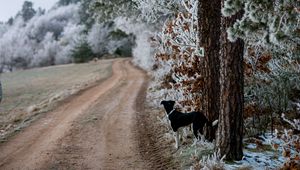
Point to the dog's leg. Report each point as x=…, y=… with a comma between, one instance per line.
x=177, y=139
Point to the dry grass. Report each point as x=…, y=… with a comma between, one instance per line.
x=30, y=92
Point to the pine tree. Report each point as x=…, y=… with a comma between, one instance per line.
x=209, y=21
x=270, y=24
x=230, y=129
x=82, y=52
x=27, y=11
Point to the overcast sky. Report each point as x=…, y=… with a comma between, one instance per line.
x=10, y=8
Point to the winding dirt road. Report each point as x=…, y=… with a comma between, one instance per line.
x=93, y=130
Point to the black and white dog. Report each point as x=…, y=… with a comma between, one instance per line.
x=179, y=119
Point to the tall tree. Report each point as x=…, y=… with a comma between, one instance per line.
x=230, y=129
x=10, y=21
x=86, y=14
x=27, y=10
x=209, y=21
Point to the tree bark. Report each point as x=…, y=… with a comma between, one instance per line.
x=209, y=13
x=230, y=129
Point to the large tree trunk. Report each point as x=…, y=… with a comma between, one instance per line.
x=230, y=129
x=209, y=13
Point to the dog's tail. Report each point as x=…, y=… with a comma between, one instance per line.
x=214, y=123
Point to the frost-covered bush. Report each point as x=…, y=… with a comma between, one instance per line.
x=130, y=17
x=107, y=38
x=98, y=37
x=288, y=144
x=273, y=82
x=45, y=55
x=143, y=50
x=210, y=162
x=16, y=48
x=71, y=35
x=270, y=30
x=178, y=59
x=82, y=52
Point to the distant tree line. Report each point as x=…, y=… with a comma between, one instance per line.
x=66, y=33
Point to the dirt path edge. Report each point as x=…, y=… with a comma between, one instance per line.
x=152, y=146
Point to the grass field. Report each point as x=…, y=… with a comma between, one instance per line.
x=30, y=92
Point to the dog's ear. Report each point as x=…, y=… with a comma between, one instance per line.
x=172, y=102
x=162, y=102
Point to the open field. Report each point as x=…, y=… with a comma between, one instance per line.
x=28, y=93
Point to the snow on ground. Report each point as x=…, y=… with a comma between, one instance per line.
x=260, y=155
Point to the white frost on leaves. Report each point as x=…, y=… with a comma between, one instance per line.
x=154, y=10
x=179, y=34
x=267, y=24
x=295, y=123
x=209, y=162
x=98, y=37
x=143, y=51
x=44, y=40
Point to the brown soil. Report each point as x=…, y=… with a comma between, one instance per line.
x=103, y=127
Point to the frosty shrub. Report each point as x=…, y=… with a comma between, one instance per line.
x=271, y=87
x=270, y=30
x=178, y=58
x=82, y=52
x=143, y=50
x=210, y=162
x=294, y=123
x=288, y=144
x=98, y=37
x=107, y=38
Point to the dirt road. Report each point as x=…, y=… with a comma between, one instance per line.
x=95, y=129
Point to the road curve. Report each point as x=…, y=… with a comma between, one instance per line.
x=92, y=130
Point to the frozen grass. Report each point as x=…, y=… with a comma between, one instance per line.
x=30, y=92
x=258, y=153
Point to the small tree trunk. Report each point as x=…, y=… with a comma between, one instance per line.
x=209, y=13
x=230, y=129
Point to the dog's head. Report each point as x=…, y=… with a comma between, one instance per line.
x=168, y=105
